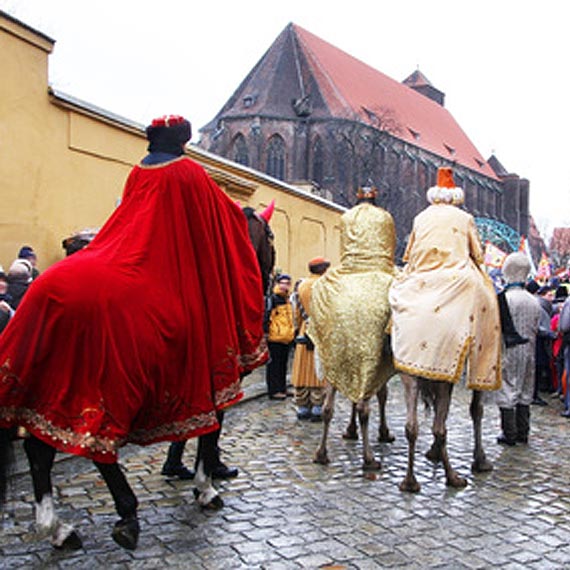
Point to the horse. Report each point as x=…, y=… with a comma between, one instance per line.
x=437, y=394
x=41, y=456
x=350, y=316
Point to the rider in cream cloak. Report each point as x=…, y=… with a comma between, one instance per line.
x=349, y=306
x=443, y=283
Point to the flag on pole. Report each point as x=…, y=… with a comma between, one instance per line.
x=494, y=256
x=544, y=270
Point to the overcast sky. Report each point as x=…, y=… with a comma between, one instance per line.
x=503, y=64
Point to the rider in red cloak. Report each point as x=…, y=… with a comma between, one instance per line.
x=143, y=335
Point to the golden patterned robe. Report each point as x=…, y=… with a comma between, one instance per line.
x=444, y=307
x=350, y=309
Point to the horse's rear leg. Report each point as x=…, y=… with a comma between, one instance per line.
x=40, y=457
x=351, y=431
x=321, y=455
x=126, y=530
x=6, y=462
x=384, y=435
x=480, y=463
x=443, y=391
x=207, y=459
x=370, y=463
x=411, y=388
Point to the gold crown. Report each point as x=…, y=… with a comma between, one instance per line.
x=367, y=192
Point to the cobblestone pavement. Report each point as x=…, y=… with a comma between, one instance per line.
x=284, y=512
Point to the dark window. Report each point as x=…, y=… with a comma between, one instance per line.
x=275, y=165
x=318, y=161
x=345, y=166
x=240, y=152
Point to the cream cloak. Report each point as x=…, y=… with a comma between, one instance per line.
x=444, y=307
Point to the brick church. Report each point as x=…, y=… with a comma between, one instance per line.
x=315, y=117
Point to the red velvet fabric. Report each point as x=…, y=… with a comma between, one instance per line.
x=141, y=336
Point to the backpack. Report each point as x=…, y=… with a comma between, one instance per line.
x=281, y=327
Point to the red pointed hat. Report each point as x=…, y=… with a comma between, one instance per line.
x=268, y=212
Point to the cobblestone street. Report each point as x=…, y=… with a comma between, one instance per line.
x=285, y=512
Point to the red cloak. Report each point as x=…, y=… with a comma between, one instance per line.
x=141, y=336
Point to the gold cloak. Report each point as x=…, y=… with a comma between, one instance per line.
x=350, y=309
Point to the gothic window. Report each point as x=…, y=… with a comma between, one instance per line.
x=318, y=161
x=275, y=165
x=240, y=152
x=345, y=166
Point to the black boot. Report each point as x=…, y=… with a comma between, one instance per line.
x=509, y=427
x=523, y=423
x=173, y=466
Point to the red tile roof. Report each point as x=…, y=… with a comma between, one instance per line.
x=351, y=87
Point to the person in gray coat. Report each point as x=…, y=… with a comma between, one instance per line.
x=518, y=366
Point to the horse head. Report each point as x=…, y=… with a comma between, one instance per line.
x=262, y=239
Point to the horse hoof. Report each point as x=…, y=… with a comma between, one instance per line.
x=410, y=486
x=72, y=542
x=126, y=532
x=214, y=504
x=385, y=437
x=350, y=434
x=481, y=466
x=456, y=481
x=372, y=465
x=321, y=458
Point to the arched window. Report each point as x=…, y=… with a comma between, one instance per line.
x=318, y=161
x=345, y=169
x=239, y=151
x=275, y=165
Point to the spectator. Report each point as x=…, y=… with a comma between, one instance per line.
x=564, y=327
x=308, y=389
x=543, y=381
x=6, y=309
x=26, y=252
x=280, y=331
x=19, y=279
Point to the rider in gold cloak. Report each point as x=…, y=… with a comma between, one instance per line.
x=349, y=308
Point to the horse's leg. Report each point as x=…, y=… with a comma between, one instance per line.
x=480, y=463
x=384, y=435
x=6, y=462
x=40, y=457
x=321, y=455
x=351, y=431
x=370, y=463
x=443, y=391
x=411, y=388
x=207, y=458
x=126, y=530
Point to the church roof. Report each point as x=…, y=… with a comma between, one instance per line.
x=302, y=67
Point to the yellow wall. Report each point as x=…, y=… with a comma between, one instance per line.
x=63, y=164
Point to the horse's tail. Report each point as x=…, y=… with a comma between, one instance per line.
x=427, y=395
x=6, y=461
